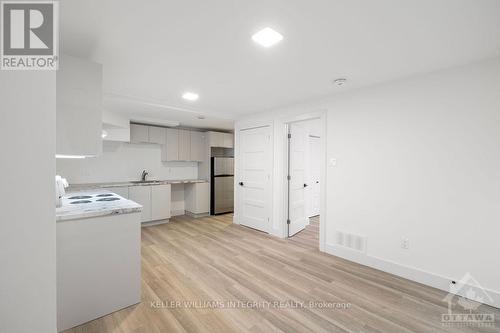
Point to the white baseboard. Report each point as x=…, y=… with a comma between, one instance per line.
x=150, y=223
x=410, y=273
x=177, y=212
x=197, y=215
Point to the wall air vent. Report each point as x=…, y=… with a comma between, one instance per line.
x=350, y=241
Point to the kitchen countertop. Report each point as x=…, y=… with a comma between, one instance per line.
x=70, y=211
x=132, y=183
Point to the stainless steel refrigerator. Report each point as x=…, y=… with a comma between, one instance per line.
x=222, y=185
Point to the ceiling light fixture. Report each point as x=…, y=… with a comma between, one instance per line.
x=267, y=37
x=70, y=156
x=190, y=96
x=340, y=82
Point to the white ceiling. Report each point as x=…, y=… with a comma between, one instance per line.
x=154, y=50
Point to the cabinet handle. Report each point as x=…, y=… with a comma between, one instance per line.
x=305, y=185
x=241, y=183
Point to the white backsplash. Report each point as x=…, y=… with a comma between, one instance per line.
x=124, y=162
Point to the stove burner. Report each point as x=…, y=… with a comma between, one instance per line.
x=108, y=199
x=79, y=197
x=104, y=195
x=80, y=202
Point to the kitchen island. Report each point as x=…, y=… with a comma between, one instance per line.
x=98, y=256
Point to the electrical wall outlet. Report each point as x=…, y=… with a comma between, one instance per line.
x=405, y=243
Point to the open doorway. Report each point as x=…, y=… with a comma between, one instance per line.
x=303, y=180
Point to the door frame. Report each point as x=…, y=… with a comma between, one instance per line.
x=309, y=168
x=322, y=115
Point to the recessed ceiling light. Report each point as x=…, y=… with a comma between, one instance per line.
x=267, y=37
x=190, y=96
x=70, y=156
x=340, y=82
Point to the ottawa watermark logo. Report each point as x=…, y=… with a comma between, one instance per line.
x=464, y=299
x=29, y=35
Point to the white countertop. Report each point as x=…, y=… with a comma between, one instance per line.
x=90, y=186
x=72, y=211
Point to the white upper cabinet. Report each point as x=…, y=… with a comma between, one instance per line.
x=184, y=145
x=219, y=139
x=139, y=133
x=170, y=151
x=198, y=147
x=157, y=135
x=228, y=141
x=215, y=139
x=147, y=134
x=79, y=107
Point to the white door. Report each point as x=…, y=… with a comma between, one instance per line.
x=314, y=172
x=254, y=178
x=297, y=159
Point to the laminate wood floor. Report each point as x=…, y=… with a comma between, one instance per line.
x=204, y=264
x=309, y=237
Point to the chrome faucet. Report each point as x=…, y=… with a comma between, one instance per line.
x=144, y=175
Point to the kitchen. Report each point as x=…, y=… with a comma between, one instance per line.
x=117, y=172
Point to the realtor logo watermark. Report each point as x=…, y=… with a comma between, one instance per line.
x=30, y=35
x=468, y=295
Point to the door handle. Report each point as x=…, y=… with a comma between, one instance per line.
x=305, y=185
x=241, y=183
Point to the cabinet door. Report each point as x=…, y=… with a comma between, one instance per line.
x=197, y=146
x=197, y=198
x=216, y=139
x=160, y=202
x=157, y=135
x=202, y=198
x=228, y=140
x=139, y=133
x=170, y=151
x=184, y=145
x=121, y=191
x=142, y=195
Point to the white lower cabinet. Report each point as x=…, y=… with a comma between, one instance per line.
x=160, y=202
x=142, y=195
x=197, y=198
x=155, y=201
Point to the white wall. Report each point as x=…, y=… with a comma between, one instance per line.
x=417, y=158
x=27, y=226
x=124, y=162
